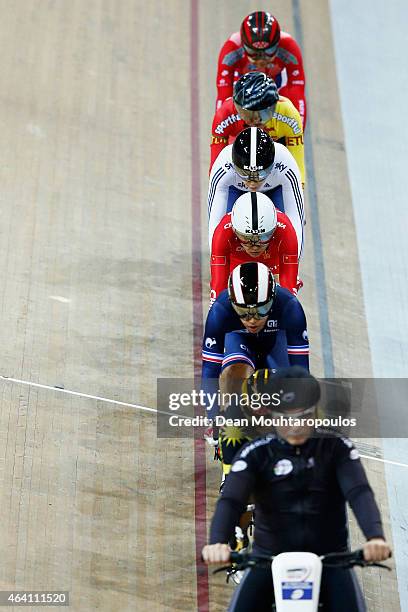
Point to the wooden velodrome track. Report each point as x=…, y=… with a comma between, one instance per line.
x=105, y=113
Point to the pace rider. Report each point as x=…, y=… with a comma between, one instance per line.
x=300, y=479
x=261, y=45
x=254, y=231
x=256, y=103
x=255, y=163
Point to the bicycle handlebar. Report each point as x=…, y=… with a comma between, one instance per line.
x=340, y=559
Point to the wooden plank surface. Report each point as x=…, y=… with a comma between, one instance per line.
x=97, y=290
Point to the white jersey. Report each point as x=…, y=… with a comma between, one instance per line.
x=285, y=173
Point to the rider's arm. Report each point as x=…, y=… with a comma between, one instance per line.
x=238, y=486
x=229, y=56
x=292, y=131
x=220, y=180
x=295, y=86
x=292, y=191
x=213, y=353
x=288, y=255
x=219, y=132
x=220, y=259
x=296, y=334
x=356, y=489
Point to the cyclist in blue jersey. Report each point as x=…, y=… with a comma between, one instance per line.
x=254, y=323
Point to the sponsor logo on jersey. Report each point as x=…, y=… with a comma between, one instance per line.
x=218, y=140
x=255, y=231
x=244, y=348
x=272, y=323
x=304, y=335
x=281, y=225
x=290, y=121
x=225, y=72
x=295, y=72
x=254, y=168
x=209, y=342
x=260, y=44
x=218, y=260
x=293, y=141
x=283, y=467
x=279, y=166
x=354, y=454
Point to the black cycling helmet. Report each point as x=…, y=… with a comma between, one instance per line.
x=251, y=290
x=253, y=154
x=294, y=386
x=260, y=34
x=255, y=91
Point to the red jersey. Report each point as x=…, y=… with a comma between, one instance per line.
x=227, y=252
x=286, y=68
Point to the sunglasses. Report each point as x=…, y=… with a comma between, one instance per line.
x=295, y=414
x=270, y=52
x=264, y=115
x=256, y=239
x=253, y=312
x=255, y=176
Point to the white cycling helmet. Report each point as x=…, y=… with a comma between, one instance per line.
x=254, y=217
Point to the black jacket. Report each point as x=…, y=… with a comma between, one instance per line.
x=300, y=495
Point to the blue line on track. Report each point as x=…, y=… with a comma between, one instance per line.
x=314, y=219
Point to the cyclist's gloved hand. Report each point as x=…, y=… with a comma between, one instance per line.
x=216, y=553
x=376, y=550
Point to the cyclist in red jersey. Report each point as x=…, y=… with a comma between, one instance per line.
x=254, y=231
x=261, y=46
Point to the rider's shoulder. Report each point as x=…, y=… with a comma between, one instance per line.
x=222, y=304
x=289, y=45
x=254, y=447
x=286, y=108
x=282, y=154
x=232, y=51
x=223, y=161
x=286, y=105
x=283, y=295
x=337, y=441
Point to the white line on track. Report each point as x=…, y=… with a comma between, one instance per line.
x=29, y=383
x=78, y=394
x=384, y=461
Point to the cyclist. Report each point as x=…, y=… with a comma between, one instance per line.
x=255, y=163
x=256, y=103
x=255, y=231
x=261, y=45
x=253, y=323
x=301, y=479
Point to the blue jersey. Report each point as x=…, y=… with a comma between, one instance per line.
x=226, y=341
